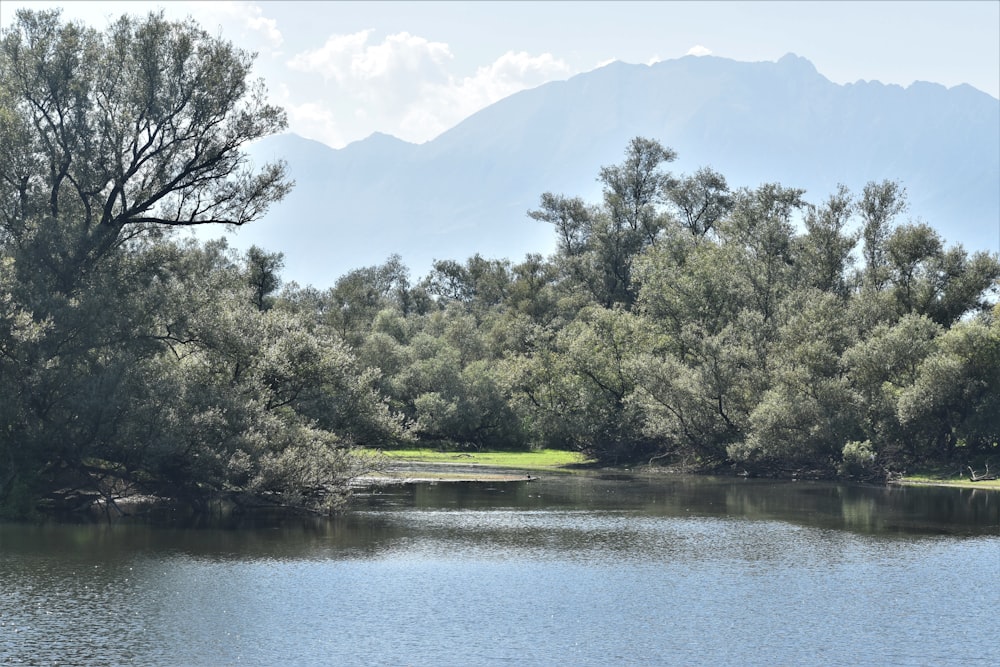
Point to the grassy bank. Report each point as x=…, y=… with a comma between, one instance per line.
x=936, y=480
x=544, y=459
x=947, y=476
x=555, y=459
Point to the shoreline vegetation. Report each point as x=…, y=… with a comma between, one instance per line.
x=679, y=321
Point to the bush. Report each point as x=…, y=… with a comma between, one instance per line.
x=858, y=460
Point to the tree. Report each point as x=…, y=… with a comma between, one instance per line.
x=953, y=405
x=598, y=245
x=880, y=204
x=701, y=200
x=571, y=220
x=634, y=189
x=531, y=290
x=682, y=289
x=632, y=219
x=351, y=305
x=595, y=381
x=926, y=278
x=760, y=226
x=263, y=275
x=110, y=141
x=880, y=367
x=824, y=252
x=808, y=412
x=109, y=135
x=480, y=284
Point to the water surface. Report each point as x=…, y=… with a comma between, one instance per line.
x=562, y=571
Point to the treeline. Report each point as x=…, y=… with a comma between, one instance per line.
x=679, y=321
x=684, y=322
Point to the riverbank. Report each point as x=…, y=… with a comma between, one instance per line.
x=429, y=465
x=956, y=482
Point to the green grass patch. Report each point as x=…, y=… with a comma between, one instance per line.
x=948, y=476
x=963, y=482
x=543, y=459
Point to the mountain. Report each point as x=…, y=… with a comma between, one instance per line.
x=468, y=190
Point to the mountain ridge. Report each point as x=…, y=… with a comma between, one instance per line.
x=468, y=189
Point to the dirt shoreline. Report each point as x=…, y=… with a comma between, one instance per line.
x=413, y=472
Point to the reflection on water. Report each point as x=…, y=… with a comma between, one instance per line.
x=569, y=570
x=859, y=508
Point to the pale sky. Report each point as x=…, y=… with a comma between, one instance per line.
x=343, y=70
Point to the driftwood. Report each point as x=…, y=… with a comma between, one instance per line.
x=976, y=477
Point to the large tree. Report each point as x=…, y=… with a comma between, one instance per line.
x=123, y=357
x=106, y=135
x=599, y=244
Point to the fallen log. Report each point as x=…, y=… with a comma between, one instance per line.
x=986, y=476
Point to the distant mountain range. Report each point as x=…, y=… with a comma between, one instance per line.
x=468, y=190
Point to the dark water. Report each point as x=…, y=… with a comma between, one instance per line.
x=562, y=571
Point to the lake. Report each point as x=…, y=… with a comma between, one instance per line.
x=565, y=570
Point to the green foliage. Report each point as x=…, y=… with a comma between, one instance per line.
x=809, y=410
x=760, y=344
x=824, y=252
x=263, y=275
x=678, y=320
x=879, y=206
x=599, y=245
x=578, y=393
x=954, y=400
x=859, y=460
x=130, y=363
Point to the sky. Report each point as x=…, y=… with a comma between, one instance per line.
x=343, y=70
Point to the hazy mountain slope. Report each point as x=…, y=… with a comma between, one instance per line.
x=468, y=190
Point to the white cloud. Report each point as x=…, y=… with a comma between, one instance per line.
x=445, y=104
x=405, y=84
x=698, y=50
x=510, y=73
x=402, y=52
x=315, y=120
x=311, y=119
x=255, y=20
x=333, y=59
x=351, y=60
x=248, y=16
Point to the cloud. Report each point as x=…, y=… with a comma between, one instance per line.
x=351, y=60
x=406, y=85
x=698, y=50
x=314, y=119
x=510, y=73
x=402, y=52
x=256, y=21
x=249, y=18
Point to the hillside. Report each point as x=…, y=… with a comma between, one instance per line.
x=467, y=191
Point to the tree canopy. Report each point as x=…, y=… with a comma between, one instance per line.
x=132, y=362
x=680, y=320
x=685, y=322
